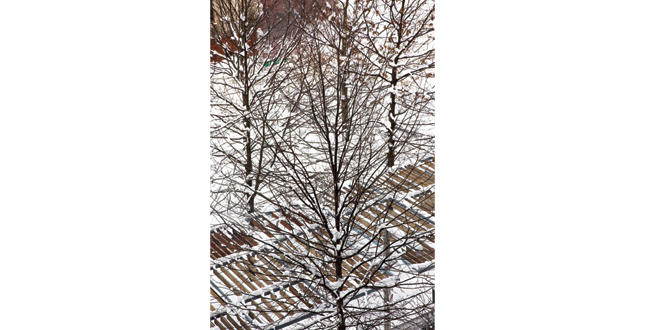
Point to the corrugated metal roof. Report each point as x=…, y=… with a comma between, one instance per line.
x=240, y=273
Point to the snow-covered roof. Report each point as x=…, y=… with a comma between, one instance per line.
x=243, y=271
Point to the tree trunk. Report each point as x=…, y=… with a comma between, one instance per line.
x=386, y=243
x=343, y=85
x=391, y=117
x=341, y=315
x=248, y=166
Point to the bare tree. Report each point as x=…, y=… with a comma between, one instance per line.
x=249, y=47
x=398, y=41
x=345, y=225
